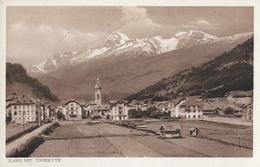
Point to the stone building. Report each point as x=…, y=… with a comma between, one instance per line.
x=73, y=110
x=248, y=113
x=240, y=97
x=21, y=109
x=186, y=108
x=139, y=106
x=119, y=110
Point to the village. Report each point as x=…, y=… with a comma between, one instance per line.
x=237, y=105
x=227, y=122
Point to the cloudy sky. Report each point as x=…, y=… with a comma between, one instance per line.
x=36, y=33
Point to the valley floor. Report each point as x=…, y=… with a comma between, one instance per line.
x=77, y=139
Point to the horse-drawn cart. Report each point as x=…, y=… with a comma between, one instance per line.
x=170, y=133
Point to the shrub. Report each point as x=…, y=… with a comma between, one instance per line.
x=60, y=116
x=229, y=111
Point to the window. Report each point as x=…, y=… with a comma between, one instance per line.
x=15, y=113
x=194, y=116
x=15, y=107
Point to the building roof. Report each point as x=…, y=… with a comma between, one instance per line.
x=177, y=100
x=120, y=102
x=20, y=100
x=99, y=107
x=221, y=103
x=192, y=101
x=72, y=100
x=135, y=102
x=238, y=93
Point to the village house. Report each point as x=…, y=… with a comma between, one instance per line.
x=187, y=108
x=119, y=110
x=220, y=106
x=21, y=109
x=93, y=110
x=73, y=110
x=136, y=105
x=175, y=110
x=248, y=112
x=240, y=97
x=45, y=111
x=85, y=113
x=163, y=106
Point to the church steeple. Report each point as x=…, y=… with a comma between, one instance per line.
x=98, y=92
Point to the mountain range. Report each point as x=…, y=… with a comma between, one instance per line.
x=119, y=44
x=126, y=65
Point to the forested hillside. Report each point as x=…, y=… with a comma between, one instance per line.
x=232, y=70
x=17, y=80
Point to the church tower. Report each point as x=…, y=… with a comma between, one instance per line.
x=98, y=92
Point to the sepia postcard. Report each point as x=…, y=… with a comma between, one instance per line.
x=132, y=84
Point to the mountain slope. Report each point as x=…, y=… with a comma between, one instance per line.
x=232, y=70
x=19, y=82
x=123, y=73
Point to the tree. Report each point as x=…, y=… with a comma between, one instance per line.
x=229, y=111
x=156, y=114
x=60, y=116
x=133, y=113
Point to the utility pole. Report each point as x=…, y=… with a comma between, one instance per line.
x=23, y=118
x=239, y=141
x=38, y=109
x=181, y=122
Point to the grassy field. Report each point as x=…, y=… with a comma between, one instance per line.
x=100, y=129
x=233, y=134
x=108, y=140
x=12, y=129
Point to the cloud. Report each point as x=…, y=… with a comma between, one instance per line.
x=199, y=23
x=135, y=20
x=38, y=42
x=203, y=22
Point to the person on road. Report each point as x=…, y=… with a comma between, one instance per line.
x=162, y=130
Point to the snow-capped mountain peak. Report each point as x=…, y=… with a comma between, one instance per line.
x=195, y=34
x=117, y=38
x=119, y=44
x=166, y=45
x=180, y=33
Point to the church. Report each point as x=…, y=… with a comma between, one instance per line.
x=97, y=109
